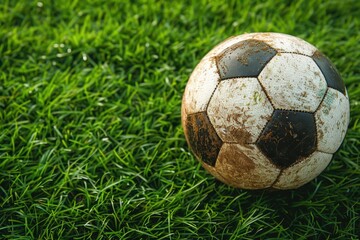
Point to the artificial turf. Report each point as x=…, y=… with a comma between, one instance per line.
x=91, y=144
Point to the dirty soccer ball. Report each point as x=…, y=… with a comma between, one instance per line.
x=265, y=110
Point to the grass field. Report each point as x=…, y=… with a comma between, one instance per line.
x=91, y=144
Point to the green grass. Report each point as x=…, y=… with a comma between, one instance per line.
x=91, y=145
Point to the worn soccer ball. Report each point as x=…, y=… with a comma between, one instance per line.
x=265, y=110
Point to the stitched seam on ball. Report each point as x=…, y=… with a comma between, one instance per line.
x=317, y=150
x=302, y=54
x=294, y=110
x=277, y=178
x=231, y=78
x=190, y=114
x=322, y=100
x=263, y=129
x=262, y=86
x=316, y=134
x=232, y=142
x=212, y=94
x=207, y=117
x=316, y=127
x=218, y=152
x=266, y=94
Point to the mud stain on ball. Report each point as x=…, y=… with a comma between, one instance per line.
x=202, y=138
x=237, y=161
x=238, y=132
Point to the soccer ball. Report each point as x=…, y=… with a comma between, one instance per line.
x=265, y=110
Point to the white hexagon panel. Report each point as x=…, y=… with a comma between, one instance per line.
x=332, y=119
x=293, y=82
x=201, y=85
x=303, y=171
x=239, y=110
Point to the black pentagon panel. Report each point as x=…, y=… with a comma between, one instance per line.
x=246, y=59
x=329, y=71
x=202, y=137
x=288, y=137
